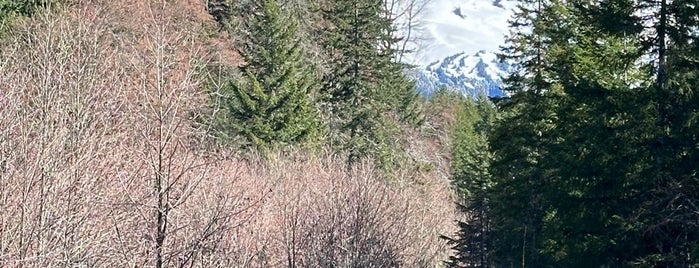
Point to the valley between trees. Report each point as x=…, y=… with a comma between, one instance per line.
x=286, y=134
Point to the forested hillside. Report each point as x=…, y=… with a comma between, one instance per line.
x=151, y=134
x=269, y=133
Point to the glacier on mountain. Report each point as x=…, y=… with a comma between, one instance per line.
x=472, y=75
x=461, y=37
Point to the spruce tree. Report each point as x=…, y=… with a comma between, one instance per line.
x=471, y=177
x=600, y=155
x=669, y=212
x=574, y=168
x=521, y=140
x=664, y=218
x=272, y=106
x=364, y=88
x=592, y=156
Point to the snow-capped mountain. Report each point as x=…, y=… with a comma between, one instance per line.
x=462, y=37
x=472, y=75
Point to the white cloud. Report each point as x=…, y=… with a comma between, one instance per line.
x=482, y=27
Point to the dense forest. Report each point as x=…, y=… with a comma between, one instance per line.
x=288, y=133
x=592, y=161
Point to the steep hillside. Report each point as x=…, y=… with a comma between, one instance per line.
x=105, y=162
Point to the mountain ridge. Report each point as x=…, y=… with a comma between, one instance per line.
x=469, y=74
x=464, y=36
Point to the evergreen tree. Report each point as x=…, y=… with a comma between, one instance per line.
x=220, y=10
x=664, y=217
x=521, y=140
x=365, y=89
x=471, y=176
x=592, y=156
x=669, y=213
x=598, y=161
x=575, y=166
x=23, y=7
x=273, y=105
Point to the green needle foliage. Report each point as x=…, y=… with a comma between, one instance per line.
x=273, y=105
x=365, y=92
x=11, y=9
x=594, y=159
x=471, y=176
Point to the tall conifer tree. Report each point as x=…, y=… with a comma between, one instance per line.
x=364, y=87
x=665, y=217
x=521, y=141
x=471, y=175
x=592, y=158
x=273, y=105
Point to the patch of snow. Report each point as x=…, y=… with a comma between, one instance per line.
x=471, y=74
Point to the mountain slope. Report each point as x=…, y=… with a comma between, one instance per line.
x=462, y=37
x=472, y=75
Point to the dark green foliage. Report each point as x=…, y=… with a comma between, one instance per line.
x=272, y=106
x=471, y=176
x=520, y=143
x=596, y=164
x=663, y=217
x=522, y=139
x=365, y=92
x=9, y=9
x=594, y=160
x=22, y=7
x=220, y=10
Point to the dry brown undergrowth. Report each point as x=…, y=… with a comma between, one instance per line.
x=102, y=164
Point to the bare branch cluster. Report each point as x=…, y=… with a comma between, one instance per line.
x=102, y=163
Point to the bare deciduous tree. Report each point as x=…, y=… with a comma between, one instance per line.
x=407, y=17
x=103, y=165
x=168, y=172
